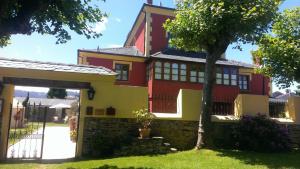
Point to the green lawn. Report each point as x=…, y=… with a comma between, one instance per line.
x=204, y=159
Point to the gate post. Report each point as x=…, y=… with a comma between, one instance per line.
x=7, y=95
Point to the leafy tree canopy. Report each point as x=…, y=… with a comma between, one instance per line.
x=51, y=17
x=279, y=51
x=206, y=24
x=57, y=93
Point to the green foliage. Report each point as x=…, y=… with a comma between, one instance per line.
x=260, y=134
x=279, y=51
x=144, y=117
x=57, y=93
x=201, y=24
x=48, y=17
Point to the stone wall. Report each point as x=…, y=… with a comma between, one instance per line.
x=294, y=131
x=105, y=136
x=180, y=134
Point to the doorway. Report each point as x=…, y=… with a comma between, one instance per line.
x=42, y=127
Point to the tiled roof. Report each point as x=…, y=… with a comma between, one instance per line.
x=128, y=51
x=196, y=57
x=57, y=67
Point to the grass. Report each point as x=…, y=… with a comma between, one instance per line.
x=204, y=159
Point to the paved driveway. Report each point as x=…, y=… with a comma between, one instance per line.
x=57, y=145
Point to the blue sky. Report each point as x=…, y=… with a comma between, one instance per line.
x=114, y=29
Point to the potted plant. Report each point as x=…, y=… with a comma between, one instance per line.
x=144, y=117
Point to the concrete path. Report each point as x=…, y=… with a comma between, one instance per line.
x=57, y=145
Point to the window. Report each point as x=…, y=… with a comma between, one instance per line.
x=158, y=68
x=148, y=72
x=174, y=71
x=167, y=71
x=193, y=73
x=201, y=74
x=233, y=76
x=243, y=82
x=226, y=76
x=219, y=76
x=183, y=72
x=123, y=71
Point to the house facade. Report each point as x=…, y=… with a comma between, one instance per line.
x=147, y=60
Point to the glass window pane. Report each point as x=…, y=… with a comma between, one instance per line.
x=157, y=70
x=193, y=73
x=219, y=81
x=193, y=79
x=175, y=66
x=167, y=70
x=157, y=64
x=157, y=76
x=233, y=71
x=174, y=77
x=183, y=78
x=219, y=70
x=175, y=71
x=233, y=82
x=245, y=86
x=226, y=76
x=183, y=72
x=201, y=74
x=183, y=66
x=226, y=82
x=219, y=75
x=233, y=77
x=201, y=80
x=167, y=65
x=167, y=76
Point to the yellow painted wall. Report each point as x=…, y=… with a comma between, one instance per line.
x=191, y=104
x=7, y=95
x=124, y=99
x=293, y=107
x=248, y=104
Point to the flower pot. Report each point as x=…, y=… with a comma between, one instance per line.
x=144, y=133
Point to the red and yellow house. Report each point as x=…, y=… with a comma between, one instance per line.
x=147, y=60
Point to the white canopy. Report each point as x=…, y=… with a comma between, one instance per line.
x=60, y=106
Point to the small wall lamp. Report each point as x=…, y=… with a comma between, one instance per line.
x=91, y=93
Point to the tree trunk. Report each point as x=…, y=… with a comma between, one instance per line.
x=207, y=99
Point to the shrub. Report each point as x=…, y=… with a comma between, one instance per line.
x=261, y=134
x=144, y=117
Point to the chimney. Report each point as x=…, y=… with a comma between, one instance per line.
x=150, y=2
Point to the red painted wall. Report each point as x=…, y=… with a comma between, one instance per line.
x=137, y=76
x=256, y=84
x=139, y=38
x=158, y=34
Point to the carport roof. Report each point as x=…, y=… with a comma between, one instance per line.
x=57, y=67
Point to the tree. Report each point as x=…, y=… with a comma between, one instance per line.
x=57, y=93
x=279, y=51
x=51, y=17
x=211, y=25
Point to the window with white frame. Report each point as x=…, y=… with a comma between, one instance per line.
x=183, y=72
x=244, y=82
x=158, y=70
x=175, y=71
x=201, y=74
x=167, y=71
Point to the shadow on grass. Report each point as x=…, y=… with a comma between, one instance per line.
x=115, y=167
x=271, y=160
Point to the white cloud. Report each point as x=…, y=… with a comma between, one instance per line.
x=101, y=26
x=118, y=20
x=114, y=45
